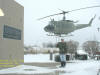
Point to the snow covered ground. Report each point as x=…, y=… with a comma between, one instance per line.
x=37, y=58
x=78, y=67
x=89, y=67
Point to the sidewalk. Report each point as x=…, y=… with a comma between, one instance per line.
x=45, y=64
x=35, y=68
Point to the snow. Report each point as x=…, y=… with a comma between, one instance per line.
x=89, y=67
x=24, y=69
x=77, y=67
x=37, y=58
x=81, y=52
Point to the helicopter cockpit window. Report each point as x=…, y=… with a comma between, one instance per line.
x=51, y=23
x=51, y=27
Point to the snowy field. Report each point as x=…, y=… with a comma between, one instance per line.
x=78, y=67
x=37, y=58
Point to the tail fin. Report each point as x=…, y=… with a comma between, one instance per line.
x=92, y=20
x=80, y=26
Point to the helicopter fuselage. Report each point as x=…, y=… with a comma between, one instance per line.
x=60, y=27
x=65, y=26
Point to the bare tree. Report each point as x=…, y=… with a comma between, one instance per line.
x=48, y=45
x=72, y=47
x=91, y=47
x=44, y=45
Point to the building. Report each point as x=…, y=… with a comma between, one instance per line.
x=97, y=55
x=11, y=33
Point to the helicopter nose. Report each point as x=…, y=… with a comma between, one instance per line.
x=46, y=28
x=49, y=28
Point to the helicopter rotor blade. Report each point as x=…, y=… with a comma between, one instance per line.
x=50, y=15
x=64, y=12
x=83, y=8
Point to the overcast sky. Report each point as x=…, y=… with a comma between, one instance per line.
x=34, y=9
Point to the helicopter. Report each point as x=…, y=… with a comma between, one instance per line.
x=64, y=27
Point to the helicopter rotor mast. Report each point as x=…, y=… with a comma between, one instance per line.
x=65, y=12
x=64, y=17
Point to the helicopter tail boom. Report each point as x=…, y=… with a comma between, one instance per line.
x=92, y=20
x=80, y=26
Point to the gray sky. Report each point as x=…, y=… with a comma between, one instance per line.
x=34, y=9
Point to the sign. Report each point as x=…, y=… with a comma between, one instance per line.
x=11, y=33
